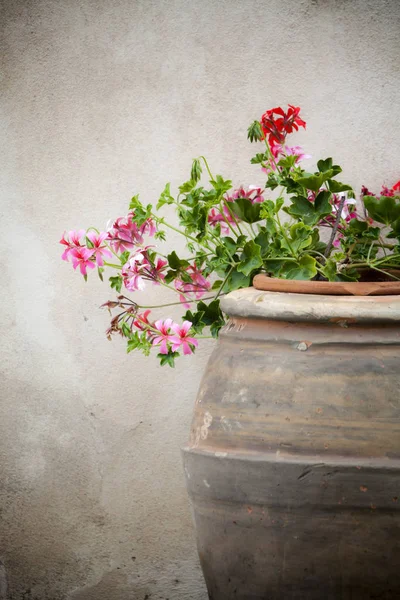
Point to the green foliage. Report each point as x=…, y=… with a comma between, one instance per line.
x=314, y=182
x=124, y=257
x=245, y=210
x=137, y=341
x=259, y=159
x=326, y=166
x=336, y=187
x=304, y=268
x=308, y=212
x=116, y=282
x=221, y=185
x=250, y=259
x=385, y=209
x=141, y=212
x=254, y=132
x=168, y=359
x=165, y=197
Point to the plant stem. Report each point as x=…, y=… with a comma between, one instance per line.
x=175, y=303
x=169, y=287
x=106, y=264
x=226, y=220
x=385, y=272
x=283, y=232
x=208, y=168
x=224, y=282
x=232, y=215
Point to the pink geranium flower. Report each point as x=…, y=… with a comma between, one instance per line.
x=100, y=249
x=125, y=234
x=182, y=339
x=296, y=151
x=163, y=334
x=156, y=271
x=132, y=272
x=253, y=194
x=74, y=241
x=215, y=216
x=81, y=256
x=198, y=285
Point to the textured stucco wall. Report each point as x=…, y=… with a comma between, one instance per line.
x=100, y=100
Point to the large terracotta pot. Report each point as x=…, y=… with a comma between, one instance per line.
x=293, y=464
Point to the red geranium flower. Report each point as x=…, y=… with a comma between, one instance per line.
x=276, y=123
x=396, y=186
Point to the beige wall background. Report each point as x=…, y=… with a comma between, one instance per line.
x=100, y=100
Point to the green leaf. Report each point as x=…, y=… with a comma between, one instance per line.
x=141, y=212
x=327, y=165
x=175, y=262
x=236, y=281
x=329, y=270
x=134, y=342
x=336, y=187
x=211, y=316
x=262, y=240
x=314, y=182
x=100, y=271
x=258, y=159
x=303, y=209
x=221, y=185
x=229, y=244
x=245, y=210
x=135, y=203
x=168, y=359
x=165, y=197
x=116, y=282
x=384, y=209
x=211, y=312
x=278, y=204
x=160, y=235
x=322, y=205
x=303, y=269
x=126, y=330
x=254, y=132
x=195, y=173
x=187, y=186
x=196, y=320
x=363, y=230
x=300, y=237
x=250, y=258
x=124, y=257
x=310, y=212
x=288, y=161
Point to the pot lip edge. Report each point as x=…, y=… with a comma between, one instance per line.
x=334, y=285
x=276, y=305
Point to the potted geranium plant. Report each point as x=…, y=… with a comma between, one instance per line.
x=298, y=384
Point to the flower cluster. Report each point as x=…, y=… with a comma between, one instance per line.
x=276, y=124
x=232, y=234
x=85, y=249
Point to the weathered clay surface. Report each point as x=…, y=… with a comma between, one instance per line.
x=293, y=465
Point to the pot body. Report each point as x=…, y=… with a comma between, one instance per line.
x=293, y=464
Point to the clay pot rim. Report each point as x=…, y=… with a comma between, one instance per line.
x=297, y=307
x=327, y=288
